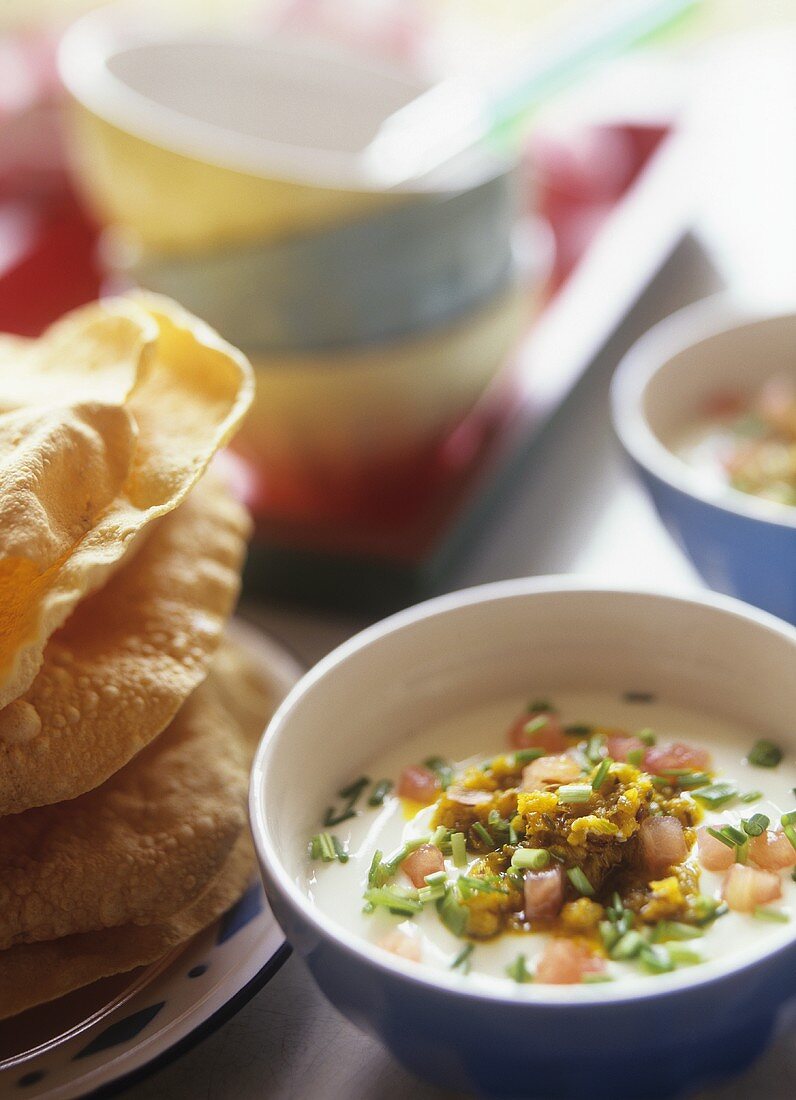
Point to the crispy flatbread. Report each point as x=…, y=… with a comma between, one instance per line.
x=143, y=845
x=116, y=674
x=32, y=974
x=184, y=391
x=229, y=721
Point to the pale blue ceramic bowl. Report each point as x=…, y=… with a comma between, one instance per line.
x=742, y=545
x=408, y=269
x=605, y=1042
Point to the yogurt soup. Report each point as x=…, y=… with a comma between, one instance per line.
x=577, y=838
x=749, y=445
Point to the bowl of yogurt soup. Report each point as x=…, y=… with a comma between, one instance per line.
x=540, y=838
x=705, y=405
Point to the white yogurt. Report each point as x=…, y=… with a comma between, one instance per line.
x=338, y=888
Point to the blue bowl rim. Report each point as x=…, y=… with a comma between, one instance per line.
x=422, y=978
x=682, y=330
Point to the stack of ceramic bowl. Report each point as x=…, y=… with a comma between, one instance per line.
x=376, y=320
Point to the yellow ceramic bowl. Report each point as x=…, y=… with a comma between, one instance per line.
x=326, y=425
x=188, y=140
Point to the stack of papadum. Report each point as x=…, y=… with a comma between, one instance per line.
x=127, y=720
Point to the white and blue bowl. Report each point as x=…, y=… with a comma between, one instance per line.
x=555, y=1042
x=741, y=544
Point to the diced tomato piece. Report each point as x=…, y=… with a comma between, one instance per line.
x=565, y=962
x=713, y=855
x=397, y=942
x=550, y=770
x=544, y=893
x=746, y=887
x=620, y=745
x=550, y=736
x=724, y=405
x=425, y=860
x=772, y=851
x=418, y=783
x=675, y=755
x=468, y=796
x=777, y=404
x=662, y=843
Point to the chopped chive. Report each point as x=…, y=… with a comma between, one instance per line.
x=764, y=754
x=442, y=769
x=439, y=836
x=766, y=913
x=435, y=887
x=574, y=792
x=527, y=756
x=656, y=958
x=787, y=821
x=392, y=864
x=683, y=956
x=717, y=794
x=601, y=774
x=482, y=833
x=452, y=914
x=738, y=837
x=533, y=858
x=497, y=823
x=635, y=757
x=395, y=898
x=720, y=836
x=335, y=817
x=431, y=893
x=540, y=704
x=458, y=850
x=322, y=847
x=471, y=883
x=355, y=789
x=628, y=946
x=756, y=825
x=595, y=748
x=750, y=796
x=462, y=960
x=707, y=909
x=609, y=934
x=340, y=851
x=380, y=792
x=666, y=930
x=535, y=725
x=578, y=730
x=647, y=736
x=377, y=875
x=518, y=970
x=580, y=882
x=512, y=834
x=693, y=779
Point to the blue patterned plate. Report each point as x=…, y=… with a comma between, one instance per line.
x=111, y=1033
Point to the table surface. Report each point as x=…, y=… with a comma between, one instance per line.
x=576, y=509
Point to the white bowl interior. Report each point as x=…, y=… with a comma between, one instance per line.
x=429, y=663
x=739, y=359
x=287, y=97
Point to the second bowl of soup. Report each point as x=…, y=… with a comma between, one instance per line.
x=705, y=406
